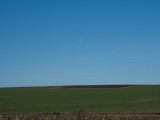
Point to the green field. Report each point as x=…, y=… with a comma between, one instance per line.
x=44, y=99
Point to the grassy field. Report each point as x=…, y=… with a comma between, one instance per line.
x=50, y=99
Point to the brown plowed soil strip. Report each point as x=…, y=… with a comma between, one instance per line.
x=100, y=86
x=55, y=87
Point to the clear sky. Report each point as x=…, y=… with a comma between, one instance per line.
x=73, y=42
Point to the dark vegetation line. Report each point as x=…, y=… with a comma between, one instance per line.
x=77, y=86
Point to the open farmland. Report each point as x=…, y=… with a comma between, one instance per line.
x=64, y=99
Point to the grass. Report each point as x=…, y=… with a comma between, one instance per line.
x=43, y=99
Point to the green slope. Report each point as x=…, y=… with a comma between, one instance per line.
x=43, y=99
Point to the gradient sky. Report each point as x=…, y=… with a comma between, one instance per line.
x=73, y=42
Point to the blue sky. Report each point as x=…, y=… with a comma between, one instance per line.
x=73, y=42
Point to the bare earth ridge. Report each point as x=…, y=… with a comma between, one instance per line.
x=96, y=86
